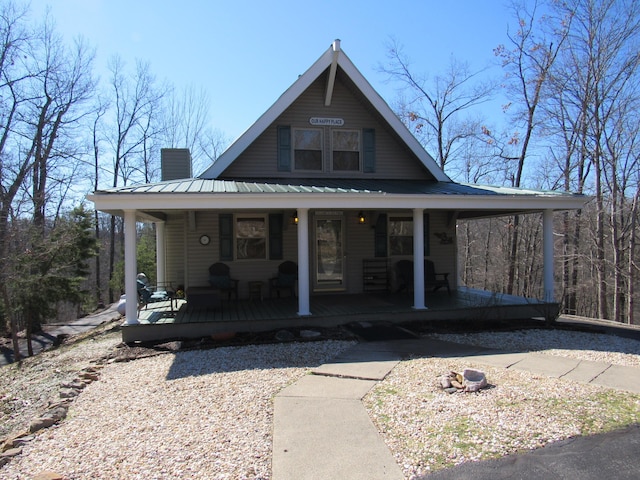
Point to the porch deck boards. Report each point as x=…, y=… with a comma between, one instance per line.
x=323, y=306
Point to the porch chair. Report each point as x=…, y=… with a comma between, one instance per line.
x=144, y=293
x=404, y=272
x=433, y=279
x=285, y=279
x=149, y=294
x=220, y=278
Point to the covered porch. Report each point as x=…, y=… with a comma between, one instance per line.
x=167, y=320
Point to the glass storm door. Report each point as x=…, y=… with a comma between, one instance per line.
x=329, y=253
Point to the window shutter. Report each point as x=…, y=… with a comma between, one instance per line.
x=369, y=150
x=275, y=236
x=427, y=248
x=284, y=148
x=381, y=236
x=225, y=222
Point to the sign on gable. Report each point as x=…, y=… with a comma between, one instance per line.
x=328, y=122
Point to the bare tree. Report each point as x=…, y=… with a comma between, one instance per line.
x=534, y=49
x=185, y=125
x=434, y=109
x=43, y=86
x=596, y=97
x=135, y=103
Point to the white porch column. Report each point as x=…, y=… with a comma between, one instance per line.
x=303, y=262
x=547, y=249
x=130, y=267
x=161, y=256
x=418, y=259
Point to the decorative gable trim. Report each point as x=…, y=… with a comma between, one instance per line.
x=333, y=58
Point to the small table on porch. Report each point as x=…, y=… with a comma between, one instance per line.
x=255, y=290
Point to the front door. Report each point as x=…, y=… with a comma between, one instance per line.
x=329, y=262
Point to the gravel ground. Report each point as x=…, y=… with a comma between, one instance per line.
x=194, y=414
x=208, y=413
x=428, y=429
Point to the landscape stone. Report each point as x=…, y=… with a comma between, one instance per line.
x=40, y=423
x=48, y=475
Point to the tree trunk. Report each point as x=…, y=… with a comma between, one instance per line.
x=631, y=269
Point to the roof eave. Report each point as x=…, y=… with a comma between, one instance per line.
x=374, y=200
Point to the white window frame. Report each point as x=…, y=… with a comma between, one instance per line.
x=404, y=218
x=293, y=149
x=240, y=216
x=346, y=130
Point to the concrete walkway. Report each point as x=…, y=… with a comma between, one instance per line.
x=321, y=428
x=52, y=332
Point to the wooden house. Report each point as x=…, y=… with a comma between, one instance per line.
x=327, y=178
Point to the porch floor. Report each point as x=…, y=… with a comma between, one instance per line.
x=162, y=320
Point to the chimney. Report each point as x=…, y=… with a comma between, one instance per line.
x=175, y=163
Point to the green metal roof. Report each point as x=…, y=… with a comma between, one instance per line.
x=323, y=186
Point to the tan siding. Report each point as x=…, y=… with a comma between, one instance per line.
x=443, y=256
x=200, y=257
x=393, y=159
x=359, y=244
x=174, y=243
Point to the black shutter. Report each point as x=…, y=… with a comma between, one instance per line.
x=284, y=148
x=369, y=150
x=427, y=248
x=275, y=236
x=381, y=236
x=225, y=222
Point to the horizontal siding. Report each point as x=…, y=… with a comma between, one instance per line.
x=174, y=243
x=188, y=261
x=393, y=159
x=200, y=257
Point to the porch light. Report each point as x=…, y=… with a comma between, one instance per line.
x=294, y=218
x=361, y=218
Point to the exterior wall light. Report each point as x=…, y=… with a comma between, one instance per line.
x=361, y=218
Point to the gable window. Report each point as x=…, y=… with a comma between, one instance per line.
x=345, y=146
x=307, y=149
x=251, y=237
x=401, y=235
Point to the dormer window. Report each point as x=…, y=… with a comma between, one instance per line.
x=307, y=149
x=326, y=149
x=345, y=146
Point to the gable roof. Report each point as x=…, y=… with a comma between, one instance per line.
x=334, y=57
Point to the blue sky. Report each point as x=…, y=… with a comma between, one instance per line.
x=246, y=53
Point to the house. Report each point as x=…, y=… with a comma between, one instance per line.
x=328, y=178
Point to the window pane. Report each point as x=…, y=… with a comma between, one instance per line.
x=346, y=161
x=401, y=226
x=307, y=145
x=308, y=160
x=346, y=150
x=401, y=245
x=250, y=227
x=308, y=140
x=345, y=140
x=251, y=238
x=401, y=236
